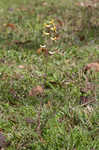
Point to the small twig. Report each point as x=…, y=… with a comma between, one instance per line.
x=88, y=103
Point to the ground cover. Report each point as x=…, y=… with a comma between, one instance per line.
x=49, y=76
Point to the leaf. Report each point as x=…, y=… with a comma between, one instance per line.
x=39, y=51
x=84, y=99
x=92, y=66
x=48, y=104
x=42, y=49
x=51, y=53
x=12, y=26
x=89, y=4
x=38, y=90
x=60, y=22
x=13, y=92
x=44, y=3
x=82, y=38
x=21, y=66
x=20, y=43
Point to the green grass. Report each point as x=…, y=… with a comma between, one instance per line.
x=56, y=119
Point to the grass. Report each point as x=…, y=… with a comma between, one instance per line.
x=57, y=119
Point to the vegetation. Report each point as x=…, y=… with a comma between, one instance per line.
x=49, y=75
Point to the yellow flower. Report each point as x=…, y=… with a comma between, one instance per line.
x=53, y=38
x=42, y=46
x=53, y=28
x=51, y=22
x=46, y=25
x=46, y=33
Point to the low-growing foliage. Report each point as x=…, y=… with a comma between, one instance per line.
x=49, y=75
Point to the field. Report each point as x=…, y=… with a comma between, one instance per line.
x=49, y=75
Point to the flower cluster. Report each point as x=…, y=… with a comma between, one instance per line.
x=50, y=30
